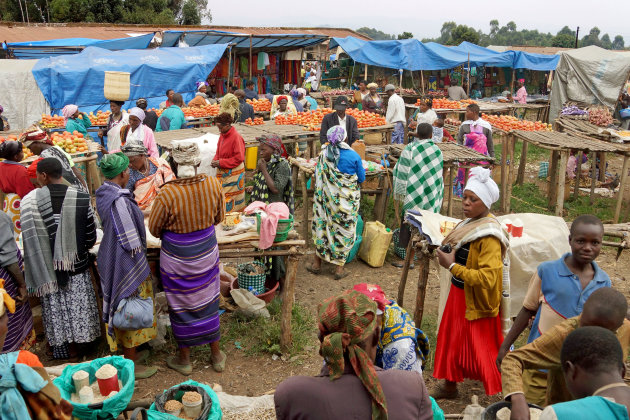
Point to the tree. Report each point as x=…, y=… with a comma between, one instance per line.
x=69, y=10
x=445, y=33
x=511, y=26
x=494, y=27
x=566, y=31
x=618, y=43
x=190, y=14
x=563, y=41
x=606, y=42
x=375, y=33
x=463, y=33
x=405, y=35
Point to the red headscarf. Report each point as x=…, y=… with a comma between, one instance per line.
x=374, y=292
x=281, y=98
x=32, y=168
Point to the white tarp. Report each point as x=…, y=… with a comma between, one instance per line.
x=591, y=74
x=20, y=96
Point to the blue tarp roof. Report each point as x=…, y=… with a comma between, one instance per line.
x=79, y=79
x=64, y=46
x=266, y=42
x=411, y=54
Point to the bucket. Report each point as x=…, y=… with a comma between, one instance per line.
x=251, y=158
x=80, y=378
x=117, y=85
x=376, y=240
x=107, y=383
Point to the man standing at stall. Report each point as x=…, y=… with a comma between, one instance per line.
x=339, y=117
x=395, y=114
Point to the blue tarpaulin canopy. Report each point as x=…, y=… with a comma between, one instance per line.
x=272, y=42
x=541, y=62
x=476, y=56
x=64, y=46
x=79, y=79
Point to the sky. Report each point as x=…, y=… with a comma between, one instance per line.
x=397, y=16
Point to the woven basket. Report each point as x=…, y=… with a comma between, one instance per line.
x=255, y=281
x=117, y=85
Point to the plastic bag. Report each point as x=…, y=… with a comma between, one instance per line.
x=134, y=313
x=248, y=304
x=211, y=411
x=111, y=407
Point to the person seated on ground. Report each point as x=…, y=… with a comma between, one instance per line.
x=247, y=110
x=146, y=175
x=592, y=362
x=150, y=117
x=336, y=203
x=456, y=93
x=439, y=133
x=340, y=117
x=137, y=133
x=475, y=124
x=606, y=308
x=250, y=93
x=200, y=99
x=476, y=92
x=349, y=385
x=280, y=106
x=417, y=177
x=557, y=291
x=173, y=117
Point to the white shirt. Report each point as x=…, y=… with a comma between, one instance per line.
x=342, y=122
x=395, y=110
x=426, y=117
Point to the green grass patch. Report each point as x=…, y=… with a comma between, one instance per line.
x=535, y=154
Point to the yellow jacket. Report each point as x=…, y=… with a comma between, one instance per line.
x=483, y=278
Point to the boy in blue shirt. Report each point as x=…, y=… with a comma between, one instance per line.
x=557, y=291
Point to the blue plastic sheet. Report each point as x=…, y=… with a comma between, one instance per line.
x=79, y=79
x=541, y=62
x=267, y=42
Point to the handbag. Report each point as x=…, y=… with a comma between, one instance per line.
x=133, y=313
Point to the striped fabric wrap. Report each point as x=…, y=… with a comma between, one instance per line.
x=189, y=265
x=233, y=182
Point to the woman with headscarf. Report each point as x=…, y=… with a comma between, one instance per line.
x=122, y=259
x=349, y=385
x=20, y=335
x=183, y=217
x=230, y=163
x=336, y=202
x=117, y=120
x=76, y=121
x=39, y=143
x=470, y=334
x=58, y=230
x=295, y=99
x=200, y=99
x=281, y=106
x=138, y=133
x=373, y=102
x=424, y=114
x=306, y=105
x=4, y=122
x=14, y=181
x=146, y=175
x=150, y=116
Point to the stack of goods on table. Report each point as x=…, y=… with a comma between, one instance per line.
x=313, y=119
x=260, y=105
x=70, y=142
x=439, y=103
x=508, y=123
x=403, y=91
x=255, y=121
x=200, y=112
x=58, y=121
x=440, y=93
x=599, y=116
x=337, y=92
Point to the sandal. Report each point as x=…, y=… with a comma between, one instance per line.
x=142, y=356
x=442, y=394
x=144, y=372
x=183, y=369
x=341, y=276
x=220, y=366
x=401, y=264
x=312, y=270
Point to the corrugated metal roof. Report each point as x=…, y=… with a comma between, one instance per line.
x=19, y=32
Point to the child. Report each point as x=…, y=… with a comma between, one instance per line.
x=557, y=291
x=439, y=133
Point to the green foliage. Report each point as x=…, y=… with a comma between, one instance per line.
x=563, y=41
x=375, y=34
x=618, y=43
x=405, y=35
x=463, y=33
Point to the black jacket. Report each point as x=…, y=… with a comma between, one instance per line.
x=247, y=111
x=331, y=120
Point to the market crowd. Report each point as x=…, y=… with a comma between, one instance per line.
x=373, y=353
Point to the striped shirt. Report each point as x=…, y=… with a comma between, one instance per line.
x=187, y=205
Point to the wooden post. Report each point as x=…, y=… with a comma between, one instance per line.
x=511, y=140
x=564, y=155
x=553, y=173
x=504, y=171
x=602, y=166
x=512, y=81
x=468, y=80
x=229, y=75
x=622, y=187
x=449, y=209
x=365, y=73
x=424, y=261
x=250, y=56
x=411, y=251
x=306, y=203
x=520, y=179
x=591, y=197
x=288, y=297
x=400, y=83
x=578, y=174
x=422, y=81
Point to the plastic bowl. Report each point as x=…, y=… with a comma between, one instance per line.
x=490, y=413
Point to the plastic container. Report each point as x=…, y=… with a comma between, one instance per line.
x=86, y=395
x=175, y=411
x=251, y=158
x=80, y=378
x=376, y=240
x=517, y=228
x=107, y=384
x=282, y=230
x=192, y=409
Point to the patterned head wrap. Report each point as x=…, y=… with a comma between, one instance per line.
x=345, y=321
x=335, y=135
x=133, y=149
x=231, y=105
x=294, y=93
x=375, y=293
x=301, y=91
x=69, y=110
x=31, y=171
x=281, y=97
x=273, y=141
x=372, y=85
x=114, y=164
x=34, y=134
x=141, y=102
x=200, y=84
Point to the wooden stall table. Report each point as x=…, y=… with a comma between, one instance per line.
x=246, y=246
x=265, y=115
x=376, y=182
x=540, y=111
x=560, y=145
x=199, y=122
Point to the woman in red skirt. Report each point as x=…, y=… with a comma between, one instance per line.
x=470, y=331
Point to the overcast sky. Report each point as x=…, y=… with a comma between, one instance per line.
x=425, y=21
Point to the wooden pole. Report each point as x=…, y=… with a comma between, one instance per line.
x=564, y=155
x=229, y=75
x=422, y=81
x=411, y=251
x=250, y=56
x=288, y=298
x=468, y=80
x=508, y=200
x=553, y=173
x=512, y=81
x=504, y=172
x=602, y=166
x=578, y=174
x=622, y=187
x=365, y=73
x=449, y=210
x=424, y=261
x=306, y=204
x=520, y=179
x=591, y=197
x=400, y=83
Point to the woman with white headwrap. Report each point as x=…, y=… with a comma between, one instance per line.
x=137, y=133
x=470, y=334
x=76, y=121
x=200, y=99
x=301, y=98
